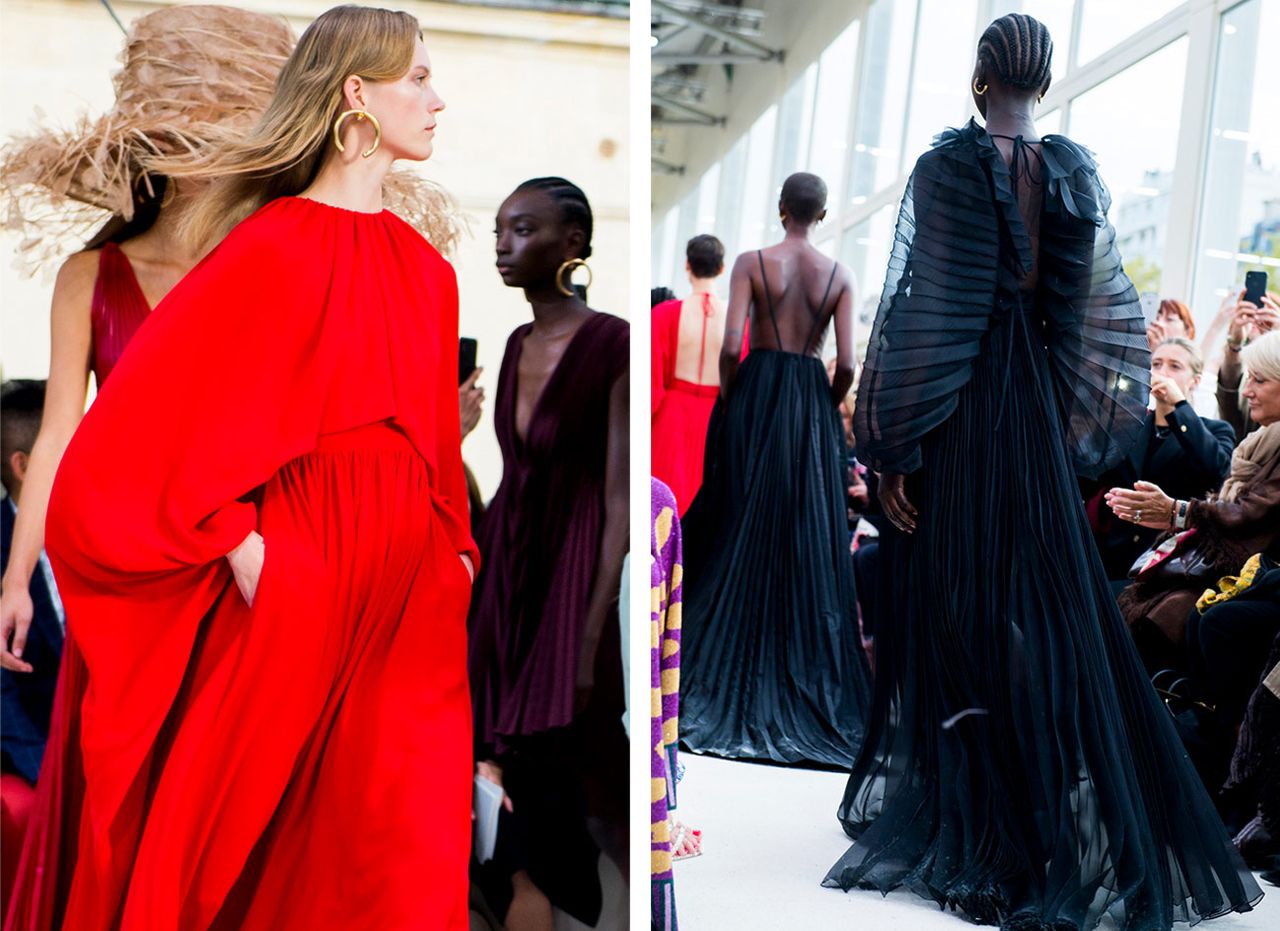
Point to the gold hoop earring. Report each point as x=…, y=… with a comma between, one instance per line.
x=976, y=89
x=170, y=193
x=569, y=266
x=359, y=115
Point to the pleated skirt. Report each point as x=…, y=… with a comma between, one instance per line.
x=771, y=663
x=1018, y=765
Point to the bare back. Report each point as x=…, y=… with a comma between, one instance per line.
x=794, y=292
x=1026, y=172
x=699, y=337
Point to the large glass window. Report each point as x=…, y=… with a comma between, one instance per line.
x=865, y=250
x=733, y=169
x=882, y=97
x=1134, y=132
x=664, y=245
x=708, y=191
x=686, y=229
x=1106, y=23
x=831, y=114
x=757, y=197
x=944, y=57
x=1240, y=209
x=795, y=122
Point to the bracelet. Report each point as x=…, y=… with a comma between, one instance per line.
x=1180, y=517
x=1235, y=347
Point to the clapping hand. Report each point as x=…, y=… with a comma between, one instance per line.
x=1144, y=504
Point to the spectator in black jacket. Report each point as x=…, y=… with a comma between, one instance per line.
x=1177, y=449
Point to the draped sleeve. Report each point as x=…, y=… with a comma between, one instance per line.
x=306, y=320
x=934, y=309
x=1096, y=334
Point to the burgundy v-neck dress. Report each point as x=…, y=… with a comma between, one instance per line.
x=540, y=540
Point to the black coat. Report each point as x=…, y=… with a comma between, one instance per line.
x=1191, y=461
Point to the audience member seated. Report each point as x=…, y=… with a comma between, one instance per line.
x=1253, y=781
x=1186, y=455
x=1248, y=322
x=26, y=695
x=1227, y=528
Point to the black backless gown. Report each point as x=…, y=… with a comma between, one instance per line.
x=1017, y=764
x=771, y=663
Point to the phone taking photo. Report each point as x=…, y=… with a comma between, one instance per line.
x=1150, y=306
x=466, y=358
x=1255, y=286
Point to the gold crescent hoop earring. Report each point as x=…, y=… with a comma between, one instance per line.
x=977, y=90
x=359, y=115
x=569, y=266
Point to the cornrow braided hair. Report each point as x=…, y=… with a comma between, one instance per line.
x=574, y=208
x=1018, y=48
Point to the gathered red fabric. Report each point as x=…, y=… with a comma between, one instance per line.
x=680, y=409
x=304, y=763
x=117, y=311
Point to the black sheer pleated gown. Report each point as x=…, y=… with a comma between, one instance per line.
x=771, y=664
x=1017, y=765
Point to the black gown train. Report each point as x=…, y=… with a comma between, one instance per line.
x=1017, y=763
x=771, y=661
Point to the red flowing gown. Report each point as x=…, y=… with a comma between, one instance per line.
x=680, y=410
x=304, y=762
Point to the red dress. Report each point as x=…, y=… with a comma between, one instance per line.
x=304, y=763
x=680, y=409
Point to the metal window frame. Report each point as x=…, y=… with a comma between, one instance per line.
x=1199, y=20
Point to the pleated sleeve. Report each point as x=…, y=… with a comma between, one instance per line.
x=934, y=310
x=1095, y=330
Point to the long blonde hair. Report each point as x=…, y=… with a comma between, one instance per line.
x=282, y=153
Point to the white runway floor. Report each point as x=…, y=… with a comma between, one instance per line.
x=769, y=836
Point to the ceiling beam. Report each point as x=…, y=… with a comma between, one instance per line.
x=758, y=51
x=697, y=115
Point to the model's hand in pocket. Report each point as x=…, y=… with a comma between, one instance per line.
x=246, y=565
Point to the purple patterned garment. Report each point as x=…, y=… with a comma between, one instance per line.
x=664, y=695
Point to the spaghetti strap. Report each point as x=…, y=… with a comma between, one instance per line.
x=820, y=319
x=764, y=280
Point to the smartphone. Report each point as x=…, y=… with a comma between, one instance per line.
x=1150, y=306
x=466, y=358
x=1255, y=286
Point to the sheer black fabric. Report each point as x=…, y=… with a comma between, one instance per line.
x=959, y=218
x=1017, y=764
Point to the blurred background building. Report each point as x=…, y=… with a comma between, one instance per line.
x=532, y=88
x=1177, y=100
